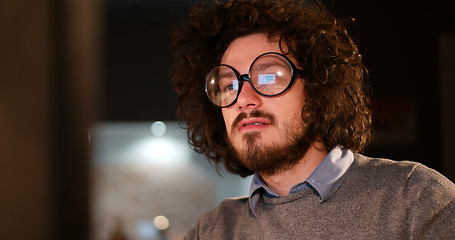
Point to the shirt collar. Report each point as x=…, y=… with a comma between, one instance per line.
x=325, y=179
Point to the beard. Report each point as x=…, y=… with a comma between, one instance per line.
x=271, y=158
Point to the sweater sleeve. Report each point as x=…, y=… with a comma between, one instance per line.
x=191, y=235
x=431, y=209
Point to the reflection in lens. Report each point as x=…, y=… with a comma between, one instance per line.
x=264, y=79
x=271, y=74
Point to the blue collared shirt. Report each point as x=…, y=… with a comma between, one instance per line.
x=325, y=179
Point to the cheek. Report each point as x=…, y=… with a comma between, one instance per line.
x=299, y=96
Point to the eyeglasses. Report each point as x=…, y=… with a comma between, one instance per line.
x=270, y=74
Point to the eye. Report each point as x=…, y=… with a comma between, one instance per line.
x=233, y=85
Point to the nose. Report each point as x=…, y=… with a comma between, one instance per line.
x=248, y=99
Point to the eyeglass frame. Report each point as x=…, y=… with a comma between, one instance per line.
x=247, y=77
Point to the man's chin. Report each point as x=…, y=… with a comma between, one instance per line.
x=270, y=157
x=251, y=138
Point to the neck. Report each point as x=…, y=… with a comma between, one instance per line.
x=283, y=181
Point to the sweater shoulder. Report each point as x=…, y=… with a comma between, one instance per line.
x=427, y=196
x=391, y=170
x=225, y=209
x=379, y=171
x=220, y=220
x=384, y=165
x=230, y=204
x=410, y=177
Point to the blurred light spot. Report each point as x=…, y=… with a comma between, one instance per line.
x=158, y=128
x=161, y=222
x=164, y=151
x=145, y=229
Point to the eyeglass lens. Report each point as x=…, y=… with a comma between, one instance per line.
x=269, y=75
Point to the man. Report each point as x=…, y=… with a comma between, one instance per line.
x=286, y=100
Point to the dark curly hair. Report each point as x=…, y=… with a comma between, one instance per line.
x=337, y=108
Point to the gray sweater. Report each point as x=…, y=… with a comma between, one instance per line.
x=379, y=199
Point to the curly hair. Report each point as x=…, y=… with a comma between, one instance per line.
x=337, y=106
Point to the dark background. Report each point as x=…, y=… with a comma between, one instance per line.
x=399, y=42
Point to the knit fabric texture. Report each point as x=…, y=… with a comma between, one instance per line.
x=379, y=199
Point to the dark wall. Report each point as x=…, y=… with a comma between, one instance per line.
x=139, y=59
x=399, y=42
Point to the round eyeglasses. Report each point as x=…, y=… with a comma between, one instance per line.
x=270, y=74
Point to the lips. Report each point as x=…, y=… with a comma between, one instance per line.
x=254, y=120
x=253, y=124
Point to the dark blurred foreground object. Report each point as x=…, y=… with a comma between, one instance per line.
x=49, y=65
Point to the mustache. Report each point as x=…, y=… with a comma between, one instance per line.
x=253, y=114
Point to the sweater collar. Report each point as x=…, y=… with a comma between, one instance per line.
x=325, y=179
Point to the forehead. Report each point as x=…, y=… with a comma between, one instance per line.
x=242, y=51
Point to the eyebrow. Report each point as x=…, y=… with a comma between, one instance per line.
x=227, y=73
x=270, y=63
